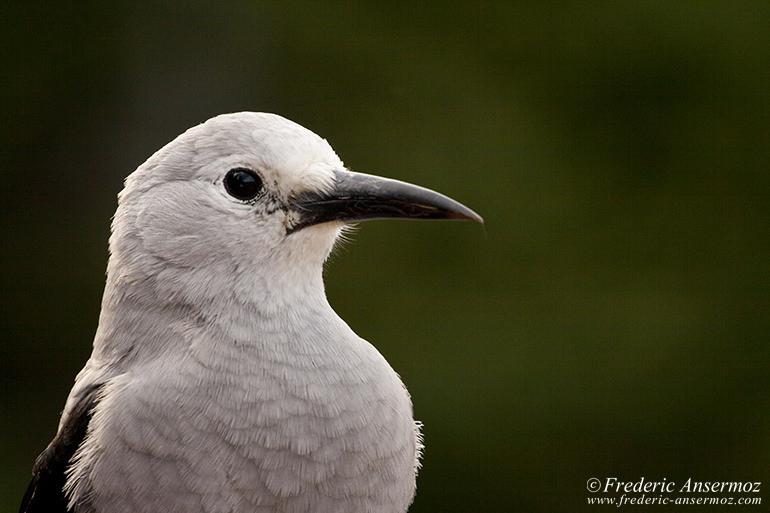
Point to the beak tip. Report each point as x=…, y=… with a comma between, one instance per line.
x=475, y=217
x=463, y=213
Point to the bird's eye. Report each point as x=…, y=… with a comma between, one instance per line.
x=242, y=183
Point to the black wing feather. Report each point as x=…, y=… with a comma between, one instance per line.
x=45, y=493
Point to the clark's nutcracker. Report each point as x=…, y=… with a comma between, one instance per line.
x=221, y=380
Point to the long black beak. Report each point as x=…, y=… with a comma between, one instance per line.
x=360, y=197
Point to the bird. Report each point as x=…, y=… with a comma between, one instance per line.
x=221, y=379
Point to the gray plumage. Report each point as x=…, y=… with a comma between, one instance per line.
x=221, y=380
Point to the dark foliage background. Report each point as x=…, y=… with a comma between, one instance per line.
x=612, y=317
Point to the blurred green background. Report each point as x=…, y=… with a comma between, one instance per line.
x=610, y=319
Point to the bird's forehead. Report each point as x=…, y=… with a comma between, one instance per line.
x=288, y=155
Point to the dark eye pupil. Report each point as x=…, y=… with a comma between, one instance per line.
x=243, y=184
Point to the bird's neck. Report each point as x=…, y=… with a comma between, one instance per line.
x=243, y=305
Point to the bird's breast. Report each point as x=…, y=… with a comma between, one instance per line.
x=272, y=428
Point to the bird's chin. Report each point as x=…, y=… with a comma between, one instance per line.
x=318, y=238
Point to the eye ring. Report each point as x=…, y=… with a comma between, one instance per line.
x=242, y=183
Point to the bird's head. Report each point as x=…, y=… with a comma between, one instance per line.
x=248, y=196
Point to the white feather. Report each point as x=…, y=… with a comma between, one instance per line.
x=230, y=383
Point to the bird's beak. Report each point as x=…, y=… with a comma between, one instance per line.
x=360, y=197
